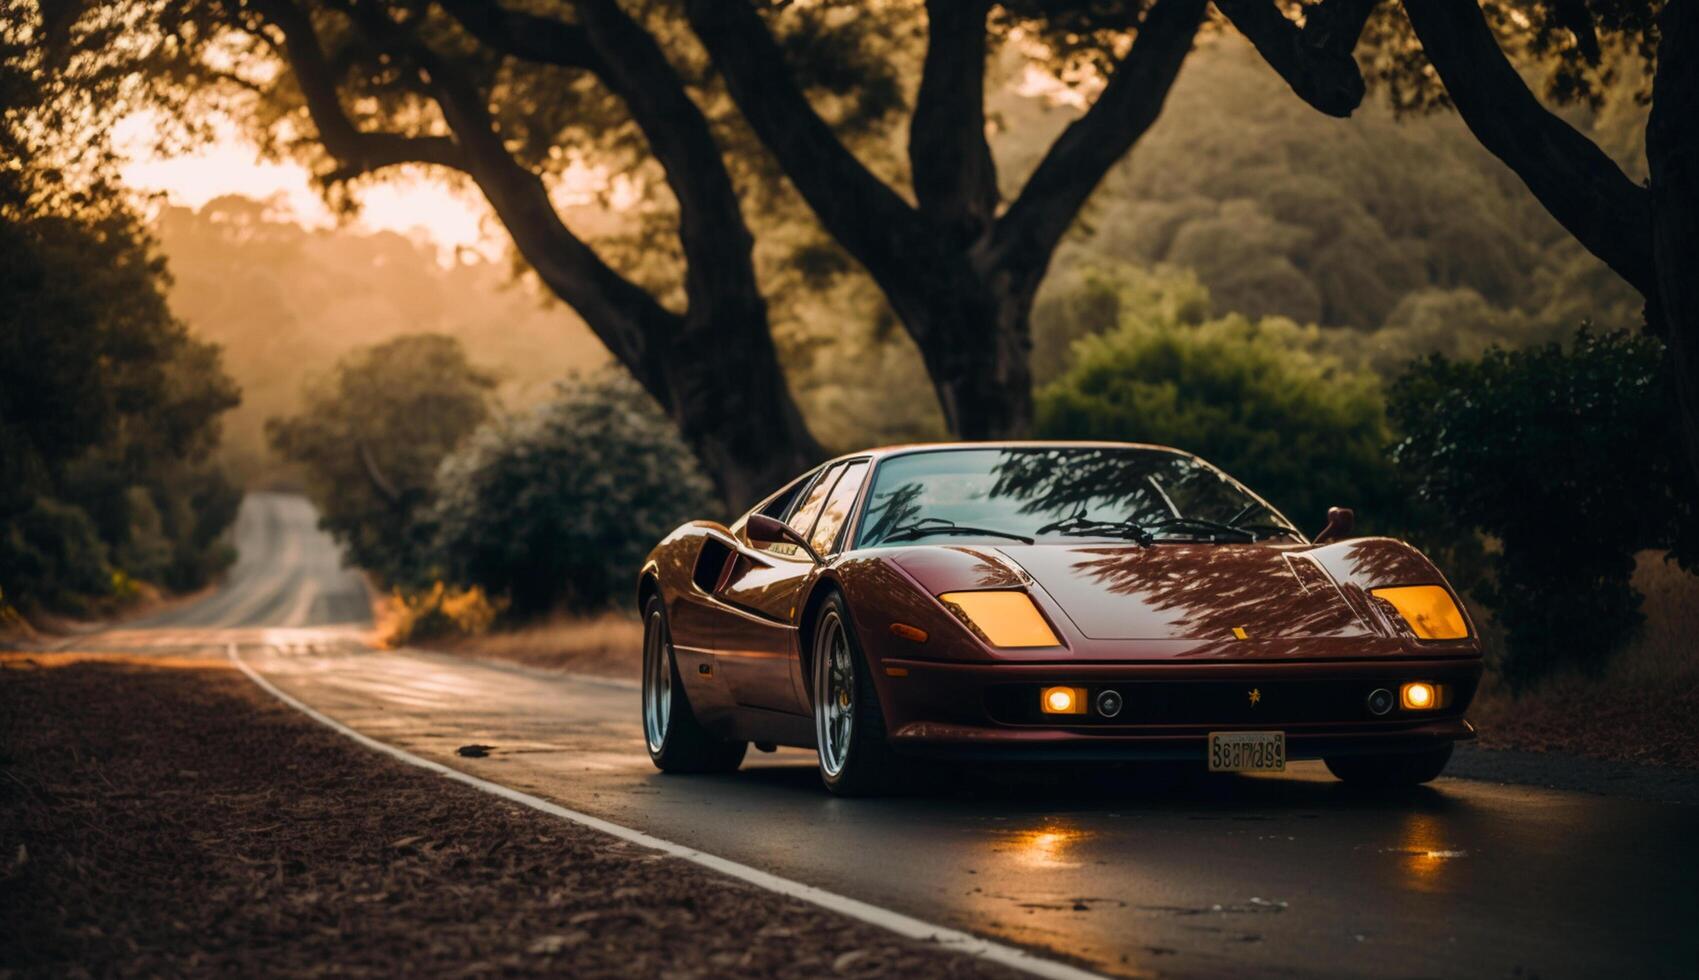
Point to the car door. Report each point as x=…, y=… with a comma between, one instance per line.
x=756, y=646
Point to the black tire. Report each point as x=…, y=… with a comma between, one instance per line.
x=867, y=766
x=1390, y=771
x=681, y=744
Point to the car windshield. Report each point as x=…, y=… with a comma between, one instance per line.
x=1061, y=493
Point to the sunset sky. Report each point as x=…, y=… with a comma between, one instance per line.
x=231, y=165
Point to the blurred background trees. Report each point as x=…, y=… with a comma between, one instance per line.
x=1563, y=457
x=285, y=302
x=1256, y=397
x=109, y=407
x=369, y=439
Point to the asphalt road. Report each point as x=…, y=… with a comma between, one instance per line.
x=1129, y=873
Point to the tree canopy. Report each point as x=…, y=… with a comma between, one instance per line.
x=690, y=109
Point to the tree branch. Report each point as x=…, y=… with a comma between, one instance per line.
x=718, y=248
x=1578, y=183
x=955, y=179
x=714, y=369
x=1029, y=231
x=634, y=327
x=545, y=40
x=856, y=208
x=356, y=151
x=1315, y=60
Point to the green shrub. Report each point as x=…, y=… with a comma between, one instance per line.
x=1252, y=396
x=370, y=439
x=559, y=506
x=51, y=556
x=1569, y=459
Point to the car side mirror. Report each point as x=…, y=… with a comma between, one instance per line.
x=761, y=529
x=1340, y=521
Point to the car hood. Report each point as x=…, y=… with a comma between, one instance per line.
x=1190, y=591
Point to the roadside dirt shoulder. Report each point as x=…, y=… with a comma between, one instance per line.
x=169, y=818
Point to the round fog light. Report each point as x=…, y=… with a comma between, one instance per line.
x=1109, y=703
x=1380, y=701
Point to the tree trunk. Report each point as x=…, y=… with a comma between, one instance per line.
x=1672, y=151
x=975, y=338
x=727, y=392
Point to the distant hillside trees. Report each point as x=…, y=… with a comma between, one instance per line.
x=1370, y=223
x=248, y=276
x=1474, y=57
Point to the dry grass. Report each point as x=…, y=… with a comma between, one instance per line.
x=1666, y=650
x=609, y=645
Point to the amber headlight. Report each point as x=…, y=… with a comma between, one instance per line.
x=1003, y=619
x=1428, y=609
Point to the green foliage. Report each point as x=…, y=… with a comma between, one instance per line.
x=1567, y=458
x=1359, y=223
x=109, y=407
x=51, y=556
x=559, y=506
x=1251, y=396
x=370, y=439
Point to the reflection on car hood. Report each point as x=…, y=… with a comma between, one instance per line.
x=1190, y=591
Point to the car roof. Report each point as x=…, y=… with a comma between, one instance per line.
x=882, y=452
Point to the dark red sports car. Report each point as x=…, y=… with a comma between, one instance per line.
x=1047, y=601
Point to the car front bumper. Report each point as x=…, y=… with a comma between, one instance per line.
x=957, y=710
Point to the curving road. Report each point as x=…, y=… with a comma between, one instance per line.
x=1202, y=876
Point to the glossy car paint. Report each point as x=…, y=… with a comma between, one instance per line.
x=1135, y=618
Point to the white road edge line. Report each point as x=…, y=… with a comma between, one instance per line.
x=953, y=940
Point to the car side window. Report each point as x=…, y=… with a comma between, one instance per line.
x=802, y=518
x=837, y=508
x=786, y=498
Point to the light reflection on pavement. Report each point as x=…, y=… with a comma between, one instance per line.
x=1206, y=876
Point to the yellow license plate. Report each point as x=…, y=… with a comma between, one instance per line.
x=1247, y=751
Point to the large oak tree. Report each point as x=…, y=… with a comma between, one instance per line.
x=1475, y=58
x=503, y=93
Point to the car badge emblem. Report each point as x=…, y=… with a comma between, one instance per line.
x=1256, y=695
